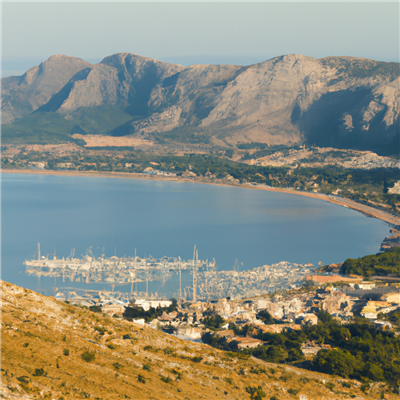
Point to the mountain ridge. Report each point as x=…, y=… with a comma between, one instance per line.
x=343, y=102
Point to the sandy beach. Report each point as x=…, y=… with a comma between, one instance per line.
x=367, y=210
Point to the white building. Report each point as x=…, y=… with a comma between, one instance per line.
x=147, y=304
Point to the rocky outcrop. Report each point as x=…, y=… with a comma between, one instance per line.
x=392, y=240
x=319, y=157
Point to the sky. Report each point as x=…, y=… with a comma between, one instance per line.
x=189, y=32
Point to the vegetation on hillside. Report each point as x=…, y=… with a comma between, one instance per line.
x=381, y=264
x=49, y=127
x=213, y=321
x=356, y=350
x=393, y=317
x=358, y=68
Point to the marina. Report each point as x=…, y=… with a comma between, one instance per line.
x=119, y=270
x=206, y=281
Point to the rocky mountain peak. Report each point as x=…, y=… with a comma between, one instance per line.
x=333, y=101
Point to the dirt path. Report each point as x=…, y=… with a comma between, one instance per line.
x=367, y=210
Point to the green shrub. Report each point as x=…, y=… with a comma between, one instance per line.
x=175, y=371
x=213, y=321
x=25, y=345
x=111, y=346
x=166, y=379
x=39, y=372
x=66, y=352
x=147, y=367
x=255, y=393
x=364, y=387
x=117, y=366
x=284, y=378
x=24, y=379
x=241, y=356
x=101, y=330
x=169, y=350
x=266, y=317
x=147, y=348
x=373, y=372
x=141, y=379
x=88, y=356
x=293, y=392
x=335, y=362
x=329, y=385
x=255, y=370
x=197, y=359
x=229, y=380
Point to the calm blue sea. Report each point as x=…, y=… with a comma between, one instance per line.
x=167, y=218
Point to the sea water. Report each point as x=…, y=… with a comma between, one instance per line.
x=164, y=218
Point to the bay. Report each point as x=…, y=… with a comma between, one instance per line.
x=165, y=218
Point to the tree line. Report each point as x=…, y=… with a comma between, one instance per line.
x=381, y=264
x=357, y=350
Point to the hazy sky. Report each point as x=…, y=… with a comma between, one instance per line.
x=197, y=32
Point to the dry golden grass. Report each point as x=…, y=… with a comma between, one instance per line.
x=115, y=141
x=45, y=344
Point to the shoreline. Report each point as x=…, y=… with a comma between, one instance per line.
x=364, y=209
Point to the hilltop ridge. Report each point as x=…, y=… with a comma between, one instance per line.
x=341, y=102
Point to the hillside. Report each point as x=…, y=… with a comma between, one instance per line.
x=381, y=264
x=55, y=350
x=339, y=102
x=21, y=95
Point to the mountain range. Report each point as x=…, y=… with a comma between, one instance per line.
x=341, y=102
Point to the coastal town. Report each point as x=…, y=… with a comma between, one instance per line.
x=345, y=298
x=292, y=294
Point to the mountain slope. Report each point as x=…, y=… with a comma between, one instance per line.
x=51, y=349
x=21, y=95
x=340, y=102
